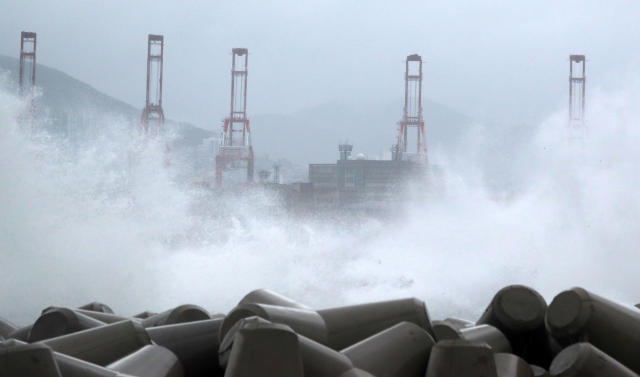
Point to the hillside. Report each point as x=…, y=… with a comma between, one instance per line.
x=313, y=134
x=66, y=97
x=309, y=135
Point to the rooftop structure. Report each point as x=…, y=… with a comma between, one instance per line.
x=345, y=150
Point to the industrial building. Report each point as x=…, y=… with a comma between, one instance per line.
x=408, y=174
x=352, y=181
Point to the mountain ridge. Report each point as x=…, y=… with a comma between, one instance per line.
x=308, y=135
x=64, y=94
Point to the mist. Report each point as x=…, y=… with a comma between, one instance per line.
x=109, y=221
x=110, y=217
x=492, y=60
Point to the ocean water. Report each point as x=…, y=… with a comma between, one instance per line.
x=108, y=221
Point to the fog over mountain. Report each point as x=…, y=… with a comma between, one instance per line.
x=493, y=60
x=119, y=218
x=371, y=126
x=64, y=99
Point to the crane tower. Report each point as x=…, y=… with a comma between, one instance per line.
x=152, y=113
x=27, y=77
x=577, y=80
x=412, y=114
x=236, y=150
x=27, y=73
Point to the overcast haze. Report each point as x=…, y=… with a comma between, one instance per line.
x=106, y=218
x=502, y=61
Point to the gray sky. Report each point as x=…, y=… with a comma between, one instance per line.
x=497, y=60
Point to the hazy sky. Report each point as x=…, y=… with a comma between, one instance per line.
x=496, y=60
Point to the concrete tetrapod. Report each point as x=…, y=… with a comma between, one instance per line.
x=224, y=350
x=322, y=361
x=576, y=315
x=105, y=317
x=337, y=328
x=28, y=361
x=448, y=328
x=585, y=360
x=509, y=365
x=8, y=343
x=21, y=334
x=6, y=328
x=458, y=322
x=96, y=307
x=489, y=335
x=70, y=366
x=102, y=345
x=265, y=350
x=149, y=361
x=460, y=358
x=348, y=325
x=317, y=360
x=475, y=334
x=400, y=351
x=194, y=343
x=60, y=321
x=539, y=371
x=519, y=312
x=180, y=314
x=268, y=297
x=144, y=315
x=304, y=322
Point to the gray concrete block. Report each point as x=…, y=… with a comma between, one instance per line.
x=32, y=360
x=321, y=361
x=224, y=351
x=149, y=361
x=96, y=307
x=519, y=312
x=180, y=314
x=21, y=334
x=304, y=322
x=508, y=365
x=6, y=328
x=539, y=371
x=70, y=366
x=585, y=360
x=577, y=315
x=268, y=297
x=144, y=315
x=337, y=328
x=476, y=334
x=449, y=328
x=265, y=350
x=460, y=358
x=194, y=343
x=102, y=345
x=105, y=317
x=400, y=351
x=55, y=322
